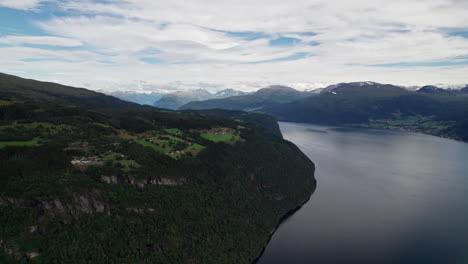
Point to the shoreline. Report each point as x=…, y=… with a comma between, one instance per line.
x=404, y=129
x=281, y=221
x=367, y=126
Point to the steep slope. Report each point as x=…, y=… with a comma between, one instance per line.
x=130, y=184
x=177, y=99
x=31, y=90
x=271, y=95
x=381, y=105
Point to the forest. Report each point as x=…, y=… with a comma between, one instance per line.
x=87, y=178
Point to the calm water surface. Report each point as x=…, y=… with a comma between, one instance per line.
x=382, y=197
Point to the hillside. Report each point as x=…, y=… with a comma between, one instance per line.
x=88, y=178
x=12, y=87
x=265, y=97
x=178, y=99
x=384, y=106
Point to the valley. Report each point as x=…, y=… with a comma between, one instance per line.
x=429, y=110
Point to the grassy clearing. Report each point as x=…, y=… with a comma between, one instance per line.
x=173, y=131
x=195, y=149
x=166, y=144
x=118, y=159
x=7, y=103
x=158, y=147
x=31, y=143
x=125, y=135
x=226, y=137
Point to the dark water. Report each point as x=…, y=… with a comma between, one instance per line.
x=382, y=197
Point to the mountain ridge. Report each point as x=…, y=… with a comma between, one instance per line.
x=274, y=94
x=179, y=98
x=429, y=110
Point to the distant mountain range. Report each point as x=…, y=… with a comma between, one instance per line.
x=139, y=98
x=178, y=99
x=172, y=100
x=429, y=109
x=430, y=89
x=265, y=97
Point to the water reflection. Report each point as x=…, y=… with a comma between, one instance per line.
x=382, y=197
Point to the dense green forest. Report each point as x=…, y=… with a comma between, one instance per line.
x=87, y=178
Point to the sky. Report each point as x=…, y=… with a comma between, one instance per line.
x=149, y=45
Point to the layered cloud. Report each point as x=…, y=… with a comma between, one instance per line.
x=22, y=4
x=40, y=40
x=240, y=44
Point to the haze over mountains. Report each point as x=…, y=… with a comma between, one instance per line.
x=172, y=100
x=139, y=98
x=178, y=99
x=268, y=96
x=203, y=99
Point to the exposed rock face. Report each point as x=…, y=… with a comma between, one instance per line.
x=83, y=203
x=33, y=229
x=109, y=179
x=9, y=249
x=80, y=203
x=169, y=182
x=12, y=250
x=279, y=197
x=142, y=182
x=6, y=201
x=32, y=255
x=140, y=210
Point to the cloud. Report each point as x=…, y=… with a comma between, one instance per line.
x=40, y=40
x=22, y=4
x=303, y=42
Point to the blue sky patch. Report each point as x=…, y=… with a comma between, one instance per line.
x=314, y=43
x=423, y=64
x=307, y=34
x=45, y=59
x=284, y=41
x=151, y=51
x=151, y=60
x=21, y=22
x=246, y=35
x=51, y=47
x=463, y=34
x=296, y=56
x=105, y=61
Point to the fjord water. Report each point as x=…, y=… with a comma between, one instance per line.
x=382, y=197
